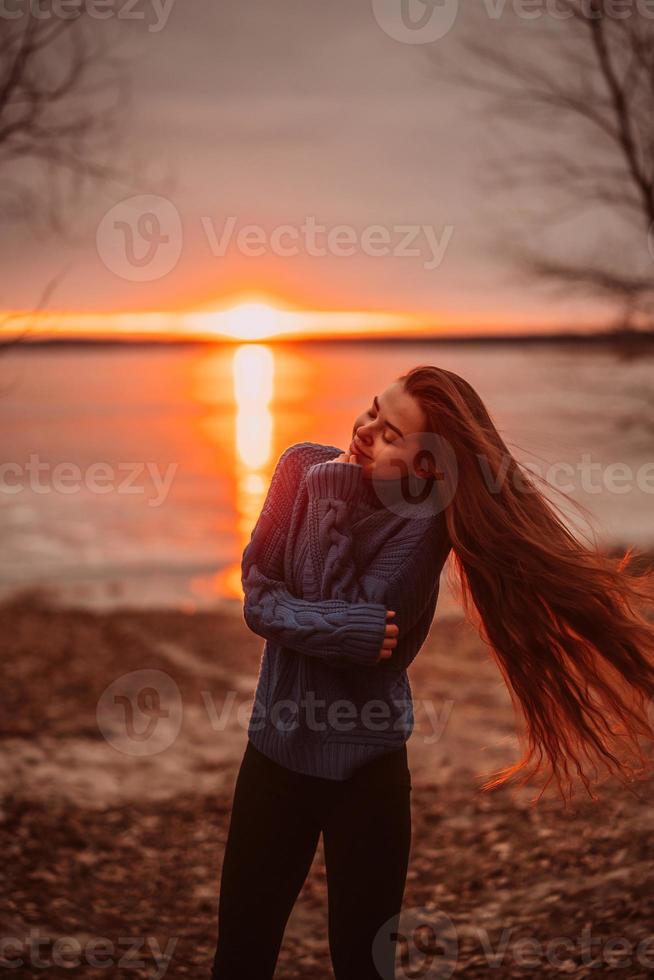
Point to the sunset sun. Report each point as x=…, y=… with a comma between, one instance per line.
x=251, y=321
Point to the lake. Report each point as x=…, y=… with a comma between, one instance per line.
x=134, y=475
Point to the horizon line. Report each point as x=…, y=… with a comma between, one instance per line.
x=622, y=333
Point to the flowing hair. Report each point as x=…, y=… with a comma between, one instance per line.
x=564, y=621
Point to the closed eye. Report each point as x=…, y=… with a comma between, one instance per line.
x=387, y=441
x=394, y=428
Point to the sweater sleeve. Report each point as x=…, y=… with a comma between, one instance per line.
x=335, y=630
x=404, y=575
x=408, y=581
x=333, y=490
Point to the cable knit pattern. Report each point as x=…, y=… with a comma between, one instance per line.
x=324, y=622
x=333, y=488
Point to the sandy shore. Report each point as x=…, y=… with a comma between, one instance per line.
x=104, y=837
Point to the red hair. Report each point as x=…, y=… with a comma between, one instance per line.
x=563, y=620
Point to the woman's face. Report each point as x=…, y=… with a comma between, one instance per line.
x=386, y=437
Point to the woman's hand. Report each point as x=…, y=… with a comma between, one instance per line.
x=344, y=458
x=390, y=638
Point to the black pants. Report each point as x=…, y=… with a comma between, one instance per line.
x=276, y=819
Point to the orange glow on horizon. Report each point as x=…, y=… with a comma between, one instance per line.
x=246, y=321
x=256, y=316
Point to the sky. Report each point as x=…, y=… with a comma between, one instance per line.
x=335, y=135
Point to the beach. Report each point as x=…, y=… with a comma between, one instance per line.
x=113, y=851
x=416, y=237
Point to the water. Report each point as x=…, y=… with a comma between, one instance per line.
x=134, y=476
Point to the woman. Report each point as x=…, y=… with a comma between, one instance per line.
x=341, y=579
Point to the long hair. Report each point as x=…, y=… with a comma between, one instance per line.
x=564, y=621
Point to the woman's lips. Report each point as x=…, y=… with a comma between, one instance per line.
x=355, y=448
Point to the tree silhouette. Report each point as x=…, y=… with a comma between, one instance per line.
x=588, y=102
x=62, y=98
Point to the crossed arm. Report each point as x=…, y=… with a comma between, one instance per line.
x=347, y=623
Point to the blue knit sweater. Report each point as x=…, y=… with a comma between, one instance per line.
x=325, y=561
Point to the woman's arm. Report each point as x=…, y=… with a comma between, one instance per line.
x=410, y=586
x=338, y=631
x=348, y=627
x=333, y=489
x=404, y=571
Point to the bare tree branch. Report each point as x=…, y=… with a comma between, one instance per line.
x=7, y=341
x=62, y=101
x=589, y=99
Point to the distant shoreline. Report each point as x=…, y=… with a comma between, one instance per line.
x=623, y=338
